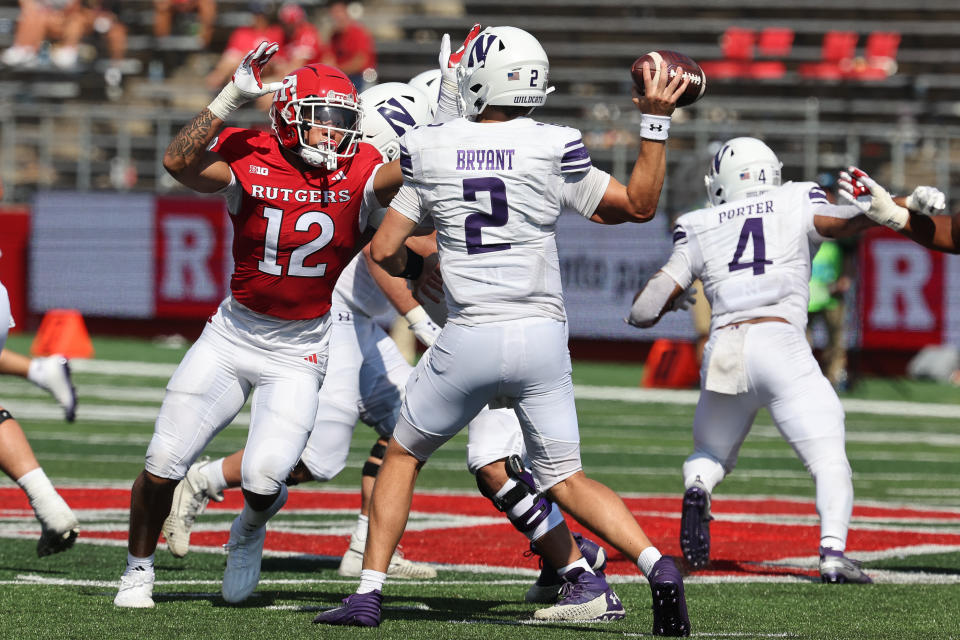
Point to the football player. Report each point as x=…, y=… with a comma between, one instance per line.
x=752, y=250
x=58, y=524
x=494, y=184
x=366, y=378
x=299, y=199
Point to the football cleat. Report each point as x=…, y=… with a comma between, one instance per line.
x=189, y=500
x=837, y=568
x=358, y=610
x=695, y=525
x=352, y=563
x=669, y=604
x=244, y=553
x=53, y=376
x=546, y=589
x=584, y=597
x=136, y=589
x=53, y=541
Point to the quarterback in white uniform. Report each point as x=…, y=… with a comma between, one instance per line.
x=752, y=250
x=494, y=185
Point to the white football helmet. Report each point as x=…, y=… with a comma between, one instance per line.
x=429, y=83
x=743, y=167
x=389, y=111
x=503, y=66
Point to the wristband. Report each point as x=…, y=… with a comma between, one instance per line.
x=227, y=101
x=415, y=315
x=654, y=127
x=414, y=266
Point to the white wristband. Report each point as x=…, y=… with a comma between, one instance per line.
x=415, y=315
x=229, y=100
x=654, y=127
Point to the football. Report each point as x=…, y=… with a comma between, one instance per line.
x=676, y=63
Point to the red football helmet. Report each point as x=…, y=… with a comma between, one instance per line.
x=317, y=95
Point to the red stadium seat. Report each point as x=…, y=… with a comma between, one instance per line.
x=774, y=43
x=836, y=56
x=736, y=44
x=880, y=59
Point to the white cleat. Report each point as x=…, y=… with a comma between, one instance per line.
x=189, y=500
x=836, y=568
x=136, y=589
x=400, y=567
x=52, y=374
x=244, y=553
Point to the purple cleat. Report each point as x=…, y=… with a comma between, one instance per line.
x=547, y=587
x=584, y=597
x=358, y=610
x=836, y=568
x=669, y=605
x=695, y=525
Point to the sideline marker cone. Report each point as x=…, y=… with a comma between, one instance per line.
x=62, y=331
x=671, y=364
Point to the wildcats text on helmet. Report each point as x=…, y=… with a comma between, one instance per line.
x=529, y=99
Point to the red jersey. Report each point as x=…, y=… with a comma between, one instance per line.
x=352, y=40
x=243, y=39
x=306, y=44
x=294, y=231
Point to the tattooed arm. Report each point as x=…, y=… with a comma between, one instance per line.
x=188, y=160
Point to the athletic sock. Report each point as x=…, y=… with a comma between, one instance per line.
x=139, y=564
x=51, y=510
x=251, y=521
x=830, y=542
x=360, y=531
x=648, y=558
x=213, y=472
x=371, y=580
x=581, y=563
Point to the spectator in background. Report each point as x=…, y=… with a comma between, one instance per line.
x=830, y=280
x=262, y=28
x=65, y=23
x=303, y=44
x=352, y=44
x=165, y=11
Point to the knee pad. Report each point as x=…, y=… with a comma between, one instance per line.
x=5, y=415
x=371, y=469
x=529, y=512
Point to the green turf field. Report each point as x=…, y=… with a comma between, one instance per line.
x=903, y=445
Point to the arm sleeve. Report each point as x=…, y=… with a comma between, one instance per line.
x=582, y=192
x=407, y=202
x=650, y=304
x=685, y=262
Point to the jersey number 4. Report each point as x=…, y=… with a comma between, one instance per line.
x=752, y=228
x=475, y=222
x=299, y=255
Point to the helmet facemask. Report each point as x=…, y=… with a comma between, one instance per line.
x=335, y=114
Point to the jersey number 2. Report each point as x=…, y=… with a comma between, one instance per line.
x=475, y=222
x=299, y=255
x=752, y=228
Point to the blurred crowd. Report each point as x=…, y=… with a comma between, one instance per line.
x=75, y=35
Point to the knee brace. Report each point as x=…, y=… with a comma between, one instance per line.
x=371, y=469
x=5, y=415
x=529, y=512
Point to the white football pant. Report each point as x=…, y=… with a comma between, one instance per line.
x=207, y=391
x=784, y=377
x=524, y=360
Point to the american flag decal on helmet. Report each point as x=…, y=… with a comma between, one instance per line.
x=513, y=75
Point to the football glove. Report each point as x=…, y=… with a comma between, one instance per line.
x=684, y=301
x=246, y=85
x=448, y=104
x=422, y=326
x=929, y=201
x=862, y=191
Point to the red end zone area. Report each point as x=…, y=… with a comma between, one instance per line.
x=759, y=537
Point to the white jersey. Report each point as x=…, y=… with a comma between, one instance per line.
x=753, y=255
x=357, y=291
x=495, y=191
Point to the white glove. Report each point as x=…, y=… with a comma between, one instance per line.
x=859, y=189
x=929, y=201
x=684, y=301
x=245, y=85
x=422, y=326
x=449, y=106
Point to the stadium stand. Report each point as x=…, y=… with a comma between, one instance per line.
x=64, y=130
